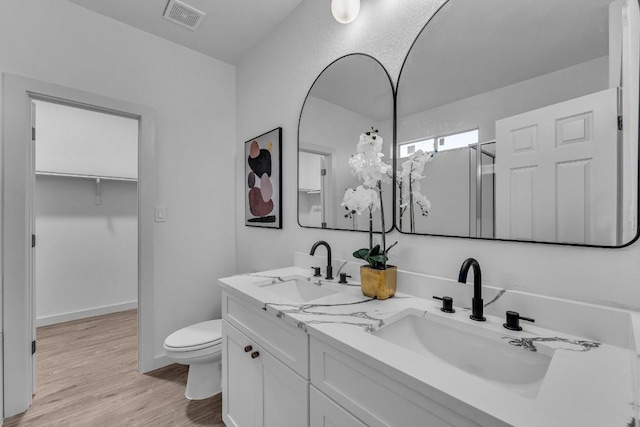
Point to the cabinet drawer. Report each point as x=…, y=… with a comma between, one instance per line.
x=287, y=343
x=373, y=397
x=327, y=413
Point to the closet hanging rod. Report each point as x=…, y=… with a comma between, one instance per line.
x=74, y=175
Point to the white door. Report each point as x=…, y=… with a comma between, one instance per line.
x=556, y=172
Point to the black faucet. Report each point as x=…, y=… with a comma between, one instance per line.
x=477, y=304
x=326, y=245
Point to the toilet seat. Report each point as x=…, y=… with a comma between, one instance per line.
x=196, y=337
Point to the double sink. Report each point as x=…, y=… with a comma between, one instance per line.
x=473, y=348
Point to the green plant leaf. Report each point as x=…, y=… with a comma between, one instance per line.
x=361, y=254
x=379, y=258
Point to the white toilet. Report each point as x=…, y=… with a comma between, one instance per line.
x=200, y=347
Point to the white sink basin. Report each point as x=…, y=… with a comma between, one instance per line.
x=483, y=353
x=299, y=289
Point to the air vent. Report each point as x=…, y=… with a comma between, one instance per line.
x=183, y=14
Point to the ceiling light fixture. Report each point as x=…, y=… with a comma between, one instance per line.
x=345, y=11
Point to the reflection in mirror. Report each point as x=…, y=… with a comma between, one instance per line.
x=528, y=111
x=350, y=96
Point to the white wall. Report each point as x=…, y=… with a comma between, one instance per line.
x=79, y=141
x=288, y=65
x=194, y=98
x=86, y=254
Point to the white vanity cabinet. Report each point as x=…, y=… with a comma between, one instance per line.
x=259, y=390
x=324, y=412
x=345, y=391
x=265, y=368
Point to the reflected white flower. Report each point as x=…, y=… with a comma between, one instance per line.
x=413, y=167
x=409, y=177
x=422, y=202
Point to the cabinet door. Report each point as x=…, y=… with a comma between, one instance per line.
x=327, y=413
x=285, y=394
x=241, y=380
x=259, y=391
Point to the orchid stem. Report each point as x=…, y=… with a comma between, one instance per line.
x=370, y=230
x=384, y=241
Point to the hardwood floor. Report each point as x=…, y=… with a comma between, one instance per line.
x=87, y=377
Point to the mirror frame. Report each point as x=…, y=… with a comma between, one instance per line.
x=395, y=134
x=392, y=225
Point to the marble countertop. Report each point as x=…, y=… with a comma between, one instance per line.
x=587, y=383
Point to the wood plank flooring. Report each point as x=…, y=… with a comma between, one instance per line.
x=87, y=377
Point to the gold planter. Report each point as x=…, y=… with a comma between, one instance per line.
x=379, y=284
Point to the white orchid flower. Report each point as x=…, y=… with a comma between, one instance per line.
x=367, y=165
x=361, y=199
x=370, y=143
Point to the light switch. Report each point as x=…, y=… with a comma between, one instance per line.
x=160, y=213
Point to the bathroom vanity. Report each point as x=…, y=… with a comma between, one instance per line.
x=301, y=350
x=266, y=370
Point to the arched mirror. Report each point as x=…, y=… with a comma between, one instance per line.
x=519, y=120
x=351, y=96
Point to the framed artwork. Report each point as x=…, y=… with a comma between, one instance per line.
x=263, y=175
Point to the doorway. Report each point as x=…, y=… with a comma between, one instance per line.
x=85, y=213
x=316, y=186
x=85, y=220
x=18, y=176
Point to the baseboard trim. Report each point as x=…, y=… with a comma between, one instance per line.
x=161, y=362
x=83, y=314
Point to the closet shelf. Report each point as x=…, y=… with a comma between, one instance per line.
x=97, y=178
x=73, y=175
x=309, y=190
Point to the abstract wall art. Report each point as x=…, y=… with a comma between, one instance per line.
x=263, y=171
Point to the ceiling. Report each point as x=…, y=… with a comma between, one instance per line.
x=227, y=32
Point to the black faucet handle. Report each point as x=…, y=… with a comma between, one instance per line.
x=447, y=304
x=343, y=278
x=513, y=321
x=316, y=271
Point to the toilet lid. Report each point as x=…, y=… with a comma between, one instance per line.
x=195, y=337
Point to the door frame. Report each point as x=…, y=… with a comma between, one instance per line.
x=17, y=93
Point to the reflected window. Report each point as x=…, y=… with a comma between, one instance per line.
x=445, y=142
